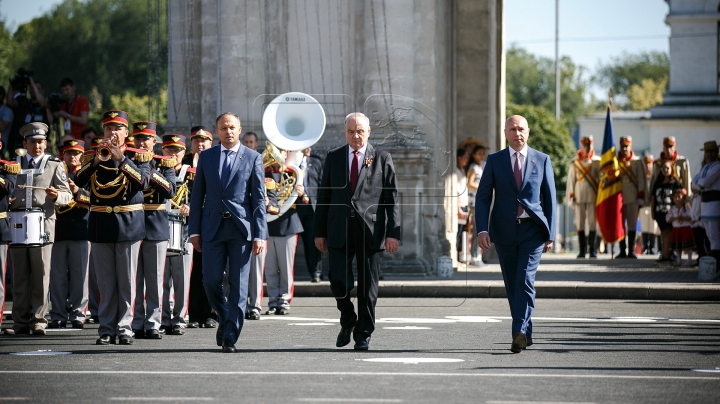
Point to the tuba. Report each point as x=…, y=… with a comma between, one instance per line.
x=293, y=122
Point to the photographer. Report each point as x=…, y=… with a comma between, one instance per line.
x=37, y=99
x=75, y=110
x=6, y=118
x=21, y=106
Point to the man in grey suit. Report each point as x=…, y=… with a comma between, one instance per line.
x=357, y=216
x=229, y=201
x=522, y=221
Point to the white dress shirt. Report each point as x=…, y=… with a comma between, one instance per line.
x=361, y=157
x=36, y=160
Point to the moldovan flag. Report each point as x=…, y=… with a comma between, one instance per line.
x=608, y=206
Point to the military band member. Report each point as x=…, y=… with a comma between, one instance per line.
x=648, y=225
x=71, y=250
x=8, y=177
x=582, y=187
x=200, y=313
x=116, y=226
x=151, y=262
x=42, y=183
x=634, y=187
x=178, y=266
x=93, y=291
x=681, y=166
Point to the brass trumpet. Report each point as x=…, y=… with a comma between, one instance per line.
x=103, y=151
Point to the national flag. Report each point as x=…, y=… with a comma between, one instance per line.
x=608, y=206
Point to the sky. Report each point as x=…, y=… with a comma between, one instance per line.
x=591, y=31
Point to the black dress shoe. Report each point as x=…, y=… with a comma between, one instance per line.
x=165, y=329
x=362, y=345
x=139, y=334
x=177, y=330
x=271, y=311
x=152, y=334
x=344, y=337
x=126, y=340
x=209, y=323
x=193, y=324
x=315, y=279
x=219, y=335
x=57, y=324
x=253, y=315
x=529, y=341
x=282, y=311
x=105, y=339
x=228, y=346
x=95, y=319
x=519, y=343
x=78, y=325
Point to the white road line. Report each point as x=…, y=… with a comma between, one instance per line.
x=402, y=374
x=15, y=399
x=161, y=398
x=349, y=400
x=539, y=402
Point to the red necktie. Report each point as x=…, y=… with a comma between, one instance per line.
x=354, y=171
x=518, y=180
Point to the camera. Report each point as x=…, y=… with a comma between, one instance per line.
x=21, y=79
x=54, y=101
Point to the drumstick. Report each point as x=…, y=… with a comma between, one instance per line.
x=31, y=187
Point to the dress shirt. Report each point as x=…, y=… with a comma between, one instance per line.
x=523, y=159
x=35, y=159
x=233, y=155
x=361, y=157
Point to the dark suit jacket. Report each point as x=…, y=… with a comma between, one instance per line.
x=313, y=173
x=7, y=187
x=243, y=197
x=537, y=196
x=375, y=199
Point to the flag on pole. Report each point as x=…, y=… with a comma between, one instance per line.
x=608, y=206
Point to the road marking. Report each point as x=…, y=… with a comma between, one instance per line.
x=161, y=398
x=476, y=319
x=708, y=370
x=412, y=361
x=62, y=329
x=349, y=400
x=310, y=324
x=415, y=320
x=36, y=353
x=15, y=398
x=539, y=402
x=407, y=327
x=497, y=319
x=372, y=374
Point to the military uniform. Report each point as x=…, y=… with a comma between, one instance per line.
x=257, y=262
x=8, y=177
x=632, y=173
x=70, y=254
x=31, y=265
x=681, y=166
x=178, y=266
x=93, y=291
x=115, y=230
x=582, y=187
x=151, y=263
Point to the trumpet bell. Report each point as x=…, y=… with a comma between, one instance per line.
x=21, y=151
x=294, y=121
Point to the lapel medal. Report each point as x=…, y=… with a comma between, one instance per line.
x=368, y=161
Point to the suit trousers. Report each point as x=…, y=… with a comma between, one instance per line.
x=177, y=276
x=93, y=291
x=342, y=280
x=199, y=308
x=69, y=280
x=150, y=273
x=3, y=273
x=255, y=282
x=312, y=254
x=280, y=270
x=583, y=212
x=227, y=249
x=31, y=281
x=518, y=263
x=116, y=268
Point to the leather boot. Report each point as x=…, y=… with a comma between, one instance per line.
x=623, y=249
x=631, y=244
x=583, y=245
x=592, y=246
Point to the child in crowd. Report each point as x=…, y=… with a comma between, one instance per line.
x=682, y=235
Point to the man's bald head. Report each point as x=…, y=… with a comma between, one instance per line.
x=517, y=132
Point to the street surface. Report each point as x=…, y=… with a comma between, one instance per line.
x=423, y=351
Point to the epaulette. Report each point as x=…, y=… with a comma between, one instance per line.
x=55, y=159
x=143, y=157
x=269, y=183
x=87, y=156
x=167, y=162
x=191, y=173
x=11, y=167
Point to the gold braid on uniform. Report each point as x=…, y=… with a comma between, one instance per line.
x=168, y=163
x=95, y=185
x=11, y=167
x=70, y=205
x=180, y=194
x=144, y=157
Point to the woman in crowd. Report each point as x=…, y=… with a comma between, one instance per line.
x=660, y=205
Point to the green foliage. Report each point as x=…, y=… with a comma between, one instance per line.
x=531, y=81
x=628, y=70
x=548, y=136
x=137, y=107
x=8, y=49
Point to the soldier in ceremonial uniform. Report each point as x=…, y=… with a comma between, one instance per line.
x=178, y=266
x=151, y=263
x=93, y=291
x=71, y=250
x=200, y=313
x=42, y=183
x=8, y=176
x=116, y=226
x=681, y=166
x=582, y=187
x=634, y=187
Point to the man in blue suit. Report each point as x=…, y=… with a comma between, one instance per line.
x=522, y=221
x=228, y=201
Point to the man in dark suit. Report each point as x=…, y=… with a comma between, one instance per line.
x=358, y=216
x=522, y=221
x=312, y=168
x=228, y=196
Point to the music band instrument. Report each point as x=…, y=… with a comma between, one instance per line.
x=27, y=228
x=176, y=244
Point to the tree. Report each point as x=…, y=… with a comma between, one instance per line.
x=647, y=94
x=8, y=49
x=628, y=70
x=548, y=136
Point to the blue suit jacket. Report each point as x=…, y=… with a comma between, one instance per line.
x=244, y=196
x=537, y=196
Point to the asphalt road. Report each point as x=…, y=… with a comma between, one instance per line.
x=423, y=351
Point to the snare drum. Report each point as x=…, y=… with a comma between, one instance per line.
x=27, y=228
x=176, y=245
